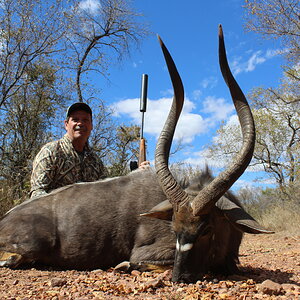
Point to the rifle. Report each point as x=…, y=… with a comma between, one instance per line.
x=143, y=107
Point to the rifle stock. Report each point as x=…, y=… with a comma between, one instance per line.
x=142, y=154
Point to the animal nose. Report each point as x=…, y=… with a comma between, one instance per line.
x=184, y=278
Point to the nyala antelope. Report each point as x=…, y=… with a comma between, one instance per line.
x=144, y=218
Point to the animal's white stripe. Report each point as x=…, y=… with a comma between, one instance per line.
x=3, y=263
x=185, y=247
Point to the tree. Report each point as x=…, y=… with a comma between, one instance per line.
x=26, y=124
x=126, y=149
x=30, y=30
x=276, y=110
x=277, y=19
x=103, y=137
x=80, y=35
x=98, y=32
x=278, y=133
x=277, y=118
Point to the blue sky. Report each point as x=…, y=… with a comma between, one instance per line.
x=190, y=31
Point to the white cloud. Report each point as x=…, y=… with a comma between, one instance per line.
x=256, y=58
x=218, y=108
x=241, y=183
x=189, y=124
x=136, y=64
x=196, y=94
x=270, y=53
x=232, y=122
x=167, y=93
x=260, y=180
x=203, y=159
x=91, y=6
x=209, y=82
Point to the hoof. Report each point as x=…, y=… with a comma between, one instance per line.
x=9, y=259
x=124, y=266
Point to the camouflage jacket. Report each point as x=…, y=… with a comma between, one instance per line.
x=59, y=164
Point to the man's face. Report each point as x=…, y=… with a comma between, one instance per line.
x=79, y=125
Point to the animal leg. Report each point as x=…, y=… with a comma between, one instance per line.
x=156, y=267
x=157, y=257
x=10, y=260
x=154, y=246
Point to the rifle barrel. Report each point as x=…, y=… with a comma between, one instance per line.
x=144, y=90
x=143, y=100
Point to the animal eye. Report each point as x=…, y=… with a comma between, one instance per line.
x=204, y=227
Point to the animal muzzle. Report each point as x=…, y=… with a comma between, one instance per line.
x=182, y=270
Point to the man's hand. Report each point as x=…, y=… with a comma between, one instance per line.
x=144, y=165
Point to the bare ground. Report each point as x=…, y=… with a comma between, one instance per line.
x=271, y=265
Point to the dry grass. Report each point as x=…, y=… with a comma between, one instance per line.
x=282, y=217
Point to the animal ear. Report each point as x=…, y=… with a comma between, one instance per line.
x=163, y=211
x=239, y=217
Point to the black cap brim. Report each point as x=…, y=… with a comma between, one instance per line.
x=79, y=106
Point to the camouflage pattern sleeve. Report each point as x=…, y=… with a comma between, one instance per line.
x=58, y=164
x=103, y=169
x=44, y=171
x=99, y=167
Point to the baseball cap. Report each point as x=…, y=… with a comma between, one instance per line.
x=79, y=106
